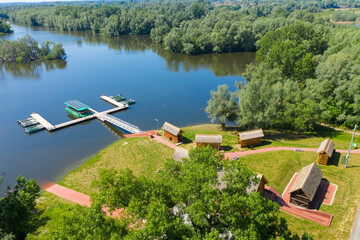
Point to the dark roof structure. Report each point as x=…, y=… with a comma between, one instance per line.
x=171, y=129
x=180, y=153
x=208, y=138
x=251, y=134
x=327, y=146
x=77, y=105
x=308, y=180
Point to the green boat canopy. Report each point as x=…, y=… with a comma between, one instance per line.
x=75, y=104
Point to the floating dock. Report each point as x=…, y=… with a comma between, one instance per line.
x=113, y=102
x=102, y=116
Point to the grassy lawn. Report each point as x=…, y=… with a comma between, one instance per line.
x=142, y=155
x=279, y=167
x=272, y=138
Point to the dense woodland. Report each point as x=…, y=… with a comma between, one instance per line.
x=4, y=27
x=290, y=89
x=27, y=49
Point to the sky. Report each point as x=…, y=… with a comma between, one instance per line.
x=17, y=1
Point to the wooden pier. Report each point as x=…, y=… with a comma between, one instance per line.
x=103, y=116
x=113, y=102
x=42, y=121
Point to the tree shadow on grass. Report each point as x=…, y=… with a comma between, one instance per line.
x=185, y=140
x=319, y=131
x=226, y=148
x=335, y=159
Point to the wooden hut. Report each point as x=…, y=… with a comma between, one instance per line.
x=325, y=151
x=180, y=153
x=305, y=186
x=204, y=140
x=254, y=187
x=172, y=133
x=250, y=138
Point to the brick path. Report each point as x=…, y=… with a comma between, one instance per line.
x=78, y=197
x=231, y=155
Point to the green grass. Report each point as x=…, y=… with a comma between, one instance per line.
x=279, y=167
x=142, y=155
x=272, y=138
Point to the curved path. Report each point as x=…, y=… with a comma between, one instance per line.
x=231, y=155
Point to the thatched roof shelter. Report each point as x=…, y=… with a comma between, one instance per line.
x=180, y=153
x=251, y=134
x=208, y=138
x=327, y=146
x=171, y=129
x=308, y=181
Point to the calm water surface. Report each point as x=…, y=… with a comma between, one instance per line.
x=165, y=86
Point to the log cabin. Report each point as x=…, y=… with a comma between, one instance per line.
x=325, y=151
x=204, y=140
x=250, y=138
x=305, y=186
x=172, y=133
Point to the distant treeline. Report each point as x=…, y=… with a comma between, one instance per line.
x=26, y=49
x=344, y=16
x=181, y=26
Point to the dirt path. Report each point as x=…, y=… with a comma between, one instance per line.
x=339, y=129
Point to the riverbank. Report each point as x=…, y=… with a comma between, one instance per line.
x=144, y=156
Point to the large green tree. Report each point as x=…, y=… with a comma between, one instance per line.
x=184, y=201
x=17, y=206
x=222, y=105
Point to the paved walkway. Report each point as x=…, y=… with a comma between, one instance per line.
x=79, y=198
x=231, y=155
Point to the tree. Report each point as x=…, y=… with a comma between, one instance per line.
x=16, y=208
x=222, y=105
x=183, y=201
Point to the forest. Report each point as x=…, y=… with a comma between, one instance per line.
x=308, y=70
x=27, y=49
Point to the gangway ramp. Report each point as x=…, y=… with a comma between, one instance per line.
x=118, y=122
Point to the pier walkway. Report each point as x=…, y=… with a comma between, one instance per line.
x=42, y=121
x=118, y=122
x=113, y=102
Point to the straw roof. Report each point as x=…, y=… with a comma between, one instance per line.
x=251, y=134
x=208, y=138
x=327, y=146
x=171, y=129
x=254, y=187
x=180, y=153
x=308, y=180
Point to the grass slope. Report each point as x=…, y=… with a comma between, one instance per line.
x=279, y=167
x=272, y=138
x=142, y=155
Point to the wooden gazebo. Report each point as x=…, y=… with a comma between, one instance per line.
x=204, y=140
x=325, y=151
x=254, y=187
x=172, y=133
x=305, y=186
x=250, y=138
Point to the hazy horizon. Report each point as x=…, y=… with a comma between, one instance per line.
x=35, y=1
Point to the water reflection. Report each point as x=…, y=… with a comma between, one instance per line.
x=226, y=64
x=31, y=70
x=233, y=64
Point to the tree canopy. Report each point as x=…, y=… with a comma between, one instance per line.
x=26, y=49
x=16, y=209
x=183, y=201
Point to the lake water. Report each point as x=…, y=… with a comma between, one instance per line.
x=168, y=87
